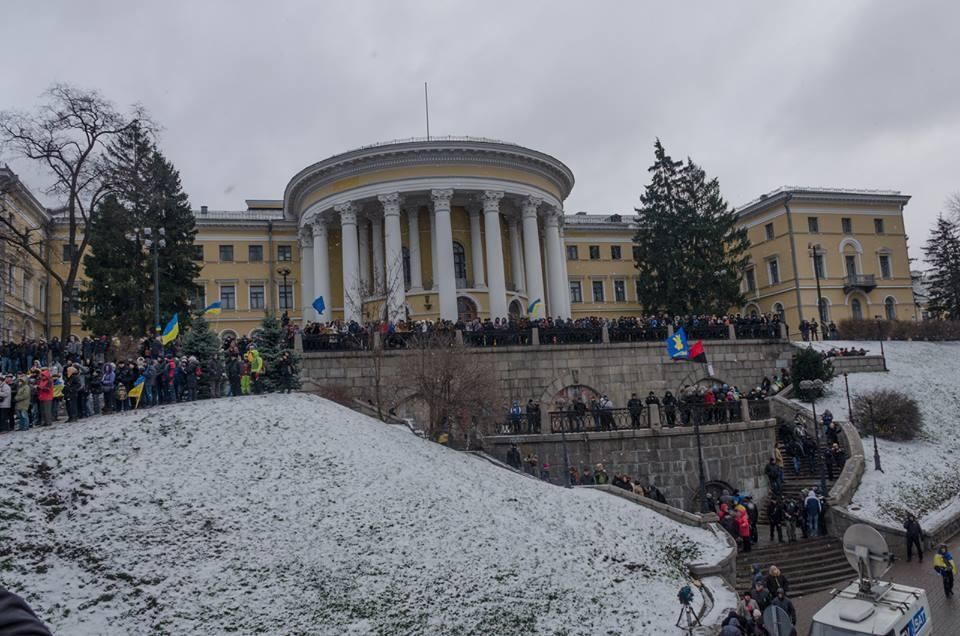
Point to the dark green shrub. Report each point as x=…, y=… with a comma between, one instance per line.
x=808, y=364
x=892, y=414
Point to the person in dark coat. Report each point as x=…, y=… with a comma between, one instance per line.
x=776, y=581
x=774, y=475
x=670, y=408
x=914, y=537
x=234, y=371
x=775, y=517
x=784, y=603
x=513, y=457
x=635, y=408
x=16, y=617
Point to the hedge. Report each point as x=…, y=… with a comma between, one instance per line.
x=900, y=329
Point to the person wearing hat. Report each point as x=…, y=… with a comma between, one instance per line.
x=513, y=457
x=601, y=476
x=945, y=566
x=6, y=403
x=22, y=403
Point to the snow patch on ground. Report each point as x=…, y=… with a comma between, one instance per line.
x=926, y=468
x=291, y=514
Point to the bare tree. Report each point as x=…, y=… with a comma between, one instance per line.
x=67, y=135
x=457, y=390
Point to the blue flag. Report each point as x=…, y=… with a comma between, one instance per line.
x=677, y=345
x=319, y=305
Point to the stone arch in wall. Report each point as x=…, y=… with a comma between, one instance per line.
x=751, y=309
x=228, y=333
x=571, y=378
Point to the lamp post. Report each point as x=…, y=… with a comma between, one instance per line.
x=846, y=386
x=880, y=338
x=284, y=271
x=143, y=236
x=814, y=253
x=813, y=388
x=873, y=432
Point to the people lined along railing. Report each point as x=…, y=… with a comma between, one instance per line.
x=354, y=336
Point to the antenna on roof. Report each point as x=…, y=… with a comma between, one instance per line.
x=426, y=108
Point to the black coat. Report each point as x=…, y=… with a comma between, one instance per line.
x=16, y=617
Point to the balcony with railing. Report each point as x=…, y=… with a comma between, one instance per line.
x=863, y=282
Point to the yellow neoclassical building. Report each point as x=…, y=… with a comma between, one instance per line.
x=467, y=227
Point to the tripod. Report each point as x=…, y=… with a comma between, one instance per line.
x=691, y=618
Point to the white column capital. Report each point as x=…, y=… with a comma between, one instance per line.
x=441, y=198
x=348, y=213
x=474, y=210
x=305, y=236
x=391, y=203
x=551, y=217
x=491, y=200
x=530, y=206
x=318, y=228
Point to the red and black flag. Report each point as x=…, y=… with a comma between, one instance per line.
x=697, y=354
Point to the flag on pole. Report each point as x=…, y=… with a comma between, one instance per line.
x=136, y=390
x=171, y=331
x=677, y=345
x=697, y=354
x=319, y=305
x=213, y=309
x=534, y=306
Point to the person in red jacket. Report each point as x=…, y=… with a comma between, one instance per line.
x=743, y=528
x=45, y=398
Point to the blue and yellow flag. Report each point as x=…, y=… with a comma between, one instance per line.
x=677, y=345
x=171, y=331
x=534, y=306
x=212, y=309
x=136, y=389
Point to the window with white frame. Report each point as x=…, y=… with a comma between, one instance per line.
x=773, y=271
x=285, y=297
x=572, y=253
x=818, y=265
x=751, y=277
x=615, y=252
x=576, y=292
x=228, y=297
x=598, y=291
x=813, y=224
x=594, y=252
x=886, y=271
x=619, y=291
x=256, y=297
x=284, y=252
x=768, y=231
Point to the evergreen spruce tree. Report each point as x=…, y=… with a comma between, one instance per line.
x=943, y=283
x=146, y=193
x=205, y=345
x=271, y=341
x=688, y=250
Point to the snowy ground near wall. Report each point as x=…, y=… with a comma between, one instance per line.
x=290, y=514
x=923, y=474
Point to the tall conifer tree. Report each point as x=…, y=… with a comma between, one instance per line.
x=943, y=283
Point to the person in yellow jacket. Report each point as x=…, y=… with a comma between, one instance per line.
x=944, y=565
x=256, y=370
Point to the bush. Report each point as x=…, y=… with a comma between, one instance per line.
x=808, y=364
x=900, y=329
x=892, y=414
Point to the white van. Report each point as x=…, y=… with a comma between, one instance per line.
x=890, y=610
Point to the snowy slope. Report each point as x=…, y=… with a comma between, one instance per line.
x=922, y=475
x=290, y=514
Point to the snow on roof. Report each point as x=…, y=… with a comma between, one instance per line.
x=850, y=194
x=245, y=515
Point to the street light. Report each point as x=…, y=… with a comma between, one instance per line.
x=813, y=388
x=144, y=238
x=814, y=253
x=873, y=432
x=284, y=271
x=880, y=338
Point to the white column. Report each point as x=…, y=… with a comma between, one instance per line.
x=498, y=286
x=352, y=302
x=413, y=242
x=554, y=264
x=307, y=312
x=531, y=253
x=516, y=259
x=393, y=282
x=435, y=275
x=476, y=248
x=363, y=227
x=378, y=277
x=443, y=238
x=567, y=306
x=321, y=270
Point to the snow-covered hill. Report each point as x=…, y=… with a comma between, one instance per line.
x=290, y=514
x=923, y=475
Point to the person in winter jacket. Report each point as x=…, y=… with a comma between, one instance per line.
x=743, y=529
x=256, y=370
x=776, y=580
x=191, y=374
x=121, y=397
x=784, y=603
x=914, y=537
x=774, y=475
x=811, y=507
x=6, y=403
x=234, y=373
x=635, y=408
x=513, y=457
x=107, y=386
x=45, y=398
x=22, y=403
x=732, y=625
x=944, y=565
x=791, y=515
x=775, y=518
x=17, y=618
x=71, y=393
x=600, y=475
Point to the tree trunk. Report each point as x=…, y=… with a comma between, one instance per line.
x=66, y=314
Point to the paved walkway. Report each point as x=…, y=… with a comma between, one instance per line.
x=946, y=613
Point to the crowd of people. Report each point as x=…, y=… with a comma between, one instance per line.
x=812, y=330
x=843, y=352
x=768, y=588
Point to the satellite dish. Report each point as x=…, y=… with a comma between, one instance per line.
x=777, y=621
x=867, y=553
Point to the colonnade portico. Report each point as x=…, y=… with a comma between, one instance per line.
x=372, y=253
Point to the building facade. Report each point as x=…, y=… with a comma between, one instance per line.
x=464, y=227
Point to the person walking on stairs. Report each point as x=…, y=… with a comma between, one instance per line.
x=944, y=565
x=775, y=518
x=914, y=537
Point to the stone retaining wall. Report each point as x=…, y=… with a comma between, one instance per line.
x=858, y=364
x=666, y=458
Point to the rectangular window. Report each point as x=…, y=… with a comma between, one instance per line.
x=885, y=271
x=878, y=226
x=768, y=229
x=286, y=296
x=773, y=267
x=256, y=297
x=751, y=277
x=813, y=224
x=199, y=297
x=198, y=253
x=284, y=252
x=615, y=252
x=226, y=253
x=572, y=253
x=818, y=265
x=42, y=298
x=619, y=291
x=228, y=297
x=851, y=263
x=594, y=252
x=847, y=224
x=67, y=253
x=576, y=293
x=598, y=291
x=26, y=291
x=12, y=278
x=254, y=254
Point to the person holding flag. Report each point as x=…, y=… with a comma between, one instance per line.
x=136, y=390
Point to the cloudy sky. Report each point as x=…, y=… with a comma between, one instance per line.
x=859, y=94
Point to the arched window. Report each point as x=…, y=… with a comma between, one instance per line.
x=890, y=308
x=516, y=309
x=856, y=309
x=778, y=310
x=459, y=265
x=466, y=309
x=406, y=267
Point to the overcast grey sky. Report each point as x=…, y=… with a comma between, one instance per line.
x=860, y=94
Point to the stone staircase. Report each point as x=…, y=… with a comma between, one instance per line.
x=810, y=565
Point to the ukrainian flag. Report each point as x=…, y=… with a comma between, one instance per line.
x=171, y=331
x=137, y=389
x=532, y=309
x=212, y=310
